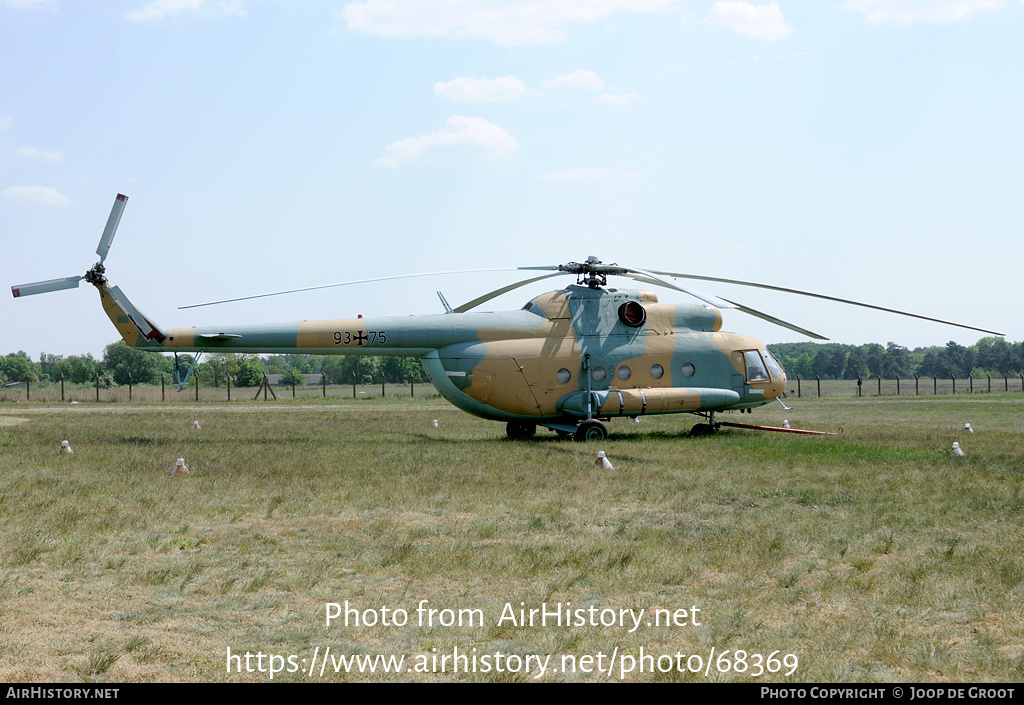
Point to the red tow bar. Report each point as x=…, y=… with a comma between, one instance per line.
x=781, y=430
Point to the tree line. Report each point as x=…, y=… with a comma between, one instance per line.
x=122, y=364
x=989, y=356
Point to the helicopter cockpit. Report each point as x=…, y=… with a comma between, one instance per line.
x=761, y=366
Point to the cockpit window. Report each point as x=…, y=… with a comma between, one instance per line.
x=756, y=371
x=773, y=366
x=534, y=308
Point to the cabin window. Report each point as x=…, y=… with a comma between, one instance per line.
x=624, y=372
x=599, y=373
x=657, y=371
x=688, y=369
x=756, y=371
x=563, y=375
x=773, y=365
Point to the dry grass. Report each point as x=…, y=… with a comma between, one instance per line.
x=872, y=556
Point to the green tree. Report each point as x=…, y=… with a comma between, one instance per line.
x=856, y=364
x=875, y=355
x=77, y=369
x=122, y=360
x=218, y=366
x=402, y=369
x=250, y=372
x=896, y=362
x=15, y=367
x=293, y=374
x=349, y=369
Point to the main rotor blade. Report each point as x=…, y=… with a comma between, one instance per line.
x=348, y=283
x=108, y=232
x=46, y=286
x=738, y=307
x=503, y=290
x=650, y=276
x=827, y=298
x=776, y=321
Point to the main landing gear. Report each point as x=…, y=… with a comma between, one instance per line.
x=592, y=430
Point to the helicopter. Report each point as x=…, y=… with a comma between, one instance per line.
x=569, y=360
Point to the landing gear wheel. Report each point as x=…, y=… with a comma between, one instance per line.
x=702, y=429
x=520, y=430
x=591, y=431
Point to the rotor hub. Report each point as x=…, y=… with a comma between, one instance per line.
x=95, y=275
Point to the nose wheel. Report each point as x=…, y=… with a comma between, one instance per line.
x=706, y=429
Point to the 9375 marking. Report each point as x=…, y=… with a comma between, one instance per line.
x=373, y=337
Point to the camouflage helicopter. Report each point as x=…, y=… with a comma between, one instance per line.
x=569, y=360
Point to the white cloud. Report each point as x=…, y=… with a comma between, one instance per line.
x=920, y=10
x=589, y=174
x=459, y=130
x=500, y=21
x=482, y=90
x=162, y=9
x=624, y=99
x=758, y=21
x=580, y=78
x=43, y=195
x=45, y=155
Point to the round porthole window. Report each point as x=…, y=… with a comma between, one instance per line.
x=624, y=372
x=657, y=371
x=688, y=369
x=599, y=374
x=563, y=375
x=632, y=314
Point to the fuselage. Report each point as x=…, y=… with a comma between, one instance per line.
x=567, y=355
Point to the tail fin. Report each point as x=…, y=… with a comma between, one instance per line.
x=137, y=330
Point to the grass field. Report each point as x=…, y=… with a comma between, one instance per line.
x=875, y=555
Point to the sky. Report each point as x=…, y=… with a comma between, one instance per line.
x=863, y=149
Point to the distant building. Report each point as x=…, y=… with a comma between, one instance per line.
x=286, y=380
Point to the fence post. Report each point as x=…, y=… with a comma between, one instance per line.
x=412, y=387
x=97, y=386
x=62, y=386
x=953, y=377
x=162, y=397
x=970, y=380
x=879, y=384
x=817, y=377
x=989, y=383
x=935, y=385
x=293, y=385
x=798, y=386
x=28, y=387
x=381, y=385
x=129, y=386
x=353, y=385
x=227, y=378
x=323, y=383
x=917, y=386
x=897, y=385
x=197, y=385
x=860, y=384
